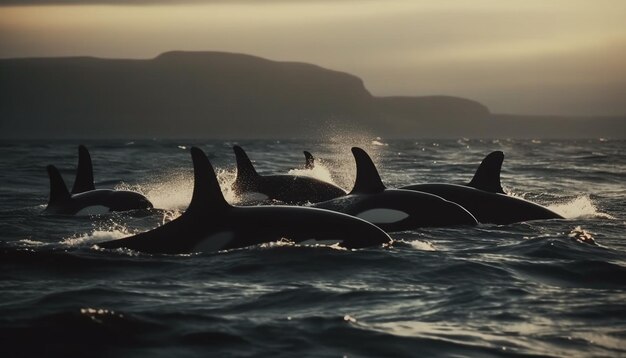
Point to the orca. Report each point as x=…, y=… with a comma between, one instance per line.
x=287, y=189
x=394, y=209
x=309, y=160
x=84, y=172
x=85, y=199
x=212, y=224
x=484, y=198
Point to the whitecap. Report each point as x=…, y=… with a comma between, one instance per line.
x=579, y=207
x=96, y=236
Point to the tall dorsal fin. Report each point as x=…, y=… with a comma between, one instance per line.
x=245, y=169
x=487, y=175
x=310, y=161
x=367, y=178
x=58, y=190
x=207, y=195
x=84, y=172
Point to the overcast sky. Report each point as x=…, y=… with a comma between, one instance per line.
x=516, y=56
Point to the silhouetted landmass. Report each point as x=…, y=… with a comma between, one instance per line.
x=224, y=95
x=432, y=116
x=516, y=126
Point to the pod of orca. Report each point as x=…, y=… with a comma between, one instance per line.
x=359, y=218
x=85, y=199
x=211, y=224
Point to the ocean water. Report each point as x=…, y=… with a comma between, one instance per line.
x=542, y=288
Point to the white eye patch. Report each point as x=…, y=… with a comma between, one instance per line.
x=93, y=210
x=383, y=216
x=214, y=242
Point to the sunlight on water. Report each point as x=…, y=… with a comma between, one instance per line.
x=509, y=192
x=280, y=243
x=99, y=315
x=170, y=191
x=340, y=143
x=417, y=244
x=582, y=236
x=319, y=171
x=378, y=141
x=440, y=330
x=349, y=318
x=422, y=245
x=96, y=236
x=173, y=191
x=31, y=243
x=226, y=179
x=606, y=340
x=113, y=229
x=169, y=215
x=580, y=207
x=284, y=242
x=528, y=289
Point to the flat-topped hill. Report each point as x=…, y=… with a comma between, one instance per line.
x=213, y=95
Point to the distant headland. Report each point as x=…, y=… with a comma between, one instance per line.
x=226, y=95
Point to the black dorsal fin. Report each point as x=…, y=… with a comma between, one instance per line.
x=207, y=195
x=58, y=190
x=487, y=175
x=367, y=178
x=84, y=172
x=310, y=161
x=245, y=169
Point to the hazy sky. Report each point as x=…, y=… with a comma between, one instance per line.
x=515, y=56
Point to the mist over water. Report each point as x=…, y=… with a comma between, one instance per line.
x=554, y=287
x=580, y=207
x=319, y=171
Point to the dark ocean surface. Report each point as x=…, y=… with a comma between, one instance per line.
x=543, y=288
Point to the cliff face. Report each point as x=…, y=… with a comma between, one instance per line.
x=225, y=95
x=432, y=116
x=202, y=94
x=176, y=94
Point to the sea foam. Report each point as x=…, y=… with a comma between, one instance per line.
x=579, y=207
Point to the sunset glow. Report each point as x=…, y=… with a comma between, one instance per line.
x=560, y=57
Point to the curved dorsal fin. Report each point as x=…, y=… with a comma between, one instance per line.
x=487, y=175
x=84, y=172
x=367, y=178
x=58, y=190
x=245, y=169
x=310, y=161
x=207, y=195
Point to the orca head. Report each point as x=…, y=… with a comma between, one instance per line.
x=487, y=177
x=367, y=178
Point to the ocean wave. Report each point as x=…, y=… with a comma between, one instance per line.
x=532, y=288
x=578, y=273
x=579, y=207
